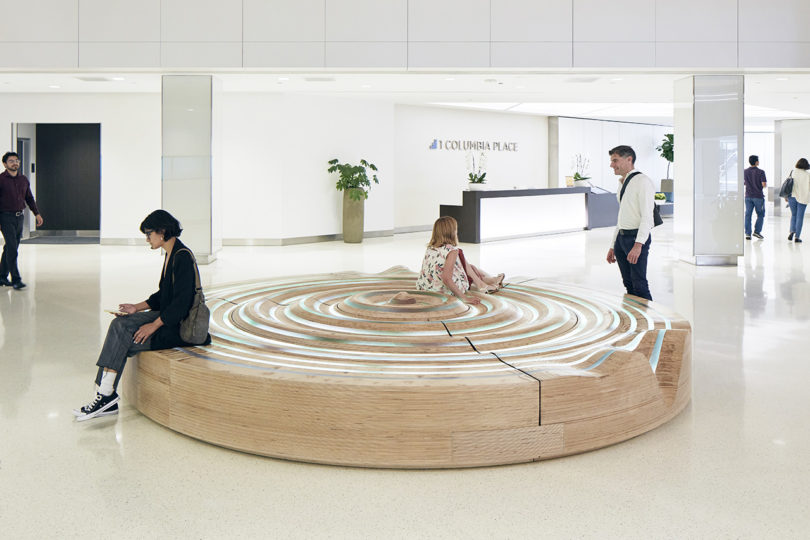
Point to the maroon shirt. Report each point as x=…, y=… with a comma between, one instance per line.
x=753, y=180
x=15, y=191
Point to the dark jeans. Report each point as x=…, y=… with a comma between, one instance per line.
x=751, y=204
x=12, y=227
x=118, y=344
x=634, y=276
x=796, y=216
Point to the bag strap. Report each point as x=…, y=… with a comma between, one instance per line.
x=624, y=184
x=197, y=285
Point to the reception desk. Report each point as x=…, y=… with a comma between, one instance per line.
x=485, y=216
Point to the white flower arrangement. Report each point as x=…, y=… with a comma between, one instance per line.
x=580, y=164
x=476, y=167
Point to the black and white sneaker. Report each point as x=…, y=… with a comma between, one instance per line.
x=100, y=406
x=757, y=235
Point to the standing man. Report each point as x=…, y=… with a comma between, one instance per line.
x=631, y=239
x=15, y=192
x=754, y=197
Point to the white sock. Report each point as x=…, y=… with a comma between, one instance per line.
x=107, y=381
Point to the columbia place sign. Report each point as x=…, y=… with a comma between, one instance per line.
x=476, y=146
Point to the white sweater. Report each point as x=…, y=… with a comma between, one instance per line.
x=801, y=186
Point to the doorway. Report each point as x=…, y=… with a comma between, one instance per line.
x=63, y=162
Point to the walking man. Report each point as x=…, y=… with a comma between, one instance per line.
x=631, y=239
x=754, y=197
x=15, y=192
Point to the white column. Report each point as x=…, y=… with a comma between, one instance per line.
x=709, y=197
x=190, y=168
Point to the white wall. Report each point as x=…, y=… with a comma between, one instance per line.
x=130, y=148
x=405, y=34
x=427, y=178
x=276, y=148
x=794, y=135
x=594, y=138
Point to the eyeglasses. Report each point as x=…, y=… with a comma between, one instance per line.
x=147, y=233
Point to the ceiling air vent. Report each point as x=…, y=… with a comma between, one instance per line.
x=94, y=79
x=583, y=80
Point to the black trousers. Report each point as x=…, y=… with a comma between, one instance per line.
x=118, y=345
x=634, y=276
x=11, y=225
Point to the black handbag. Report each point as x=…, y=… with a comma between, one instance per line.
x=194, y=328
x=787, y=187
x=657, y=219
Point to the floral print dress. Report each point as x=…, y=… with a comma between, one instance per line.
x=430, y=278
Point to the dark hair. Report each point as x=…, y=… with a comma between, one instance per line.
x=163, y=222
x=802, y=164
x=752, y=160
x=623, y=151
x=9, y=154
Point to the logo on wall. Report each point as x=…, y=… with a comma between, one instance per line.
x=480, y=146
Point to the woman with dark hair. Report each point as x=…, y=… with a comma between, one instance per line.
x=151, y=324
x=799, y=199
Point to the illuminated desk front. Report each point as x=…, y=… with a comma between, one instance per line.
x=497, y=215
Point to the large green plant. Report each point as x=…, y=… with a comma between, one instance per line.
x=667, y=149
x=353, y=176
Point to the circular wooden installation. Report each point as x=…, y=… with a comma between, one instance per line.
x=363, y=370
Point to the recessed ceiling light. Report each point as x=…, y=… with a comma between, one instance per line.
x=118, y=78
x=616, y=79
x=782, y=79
x=54, y=86
x=449, y=79
x=284, y=78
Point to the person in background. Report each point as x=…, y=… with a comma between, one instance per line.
x=444, y=268
x=799, y=199
x=15, y=193
x=631, y=239
x=755, y=183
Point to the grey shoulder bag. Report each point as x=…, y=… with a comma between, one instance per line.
x=194, y=328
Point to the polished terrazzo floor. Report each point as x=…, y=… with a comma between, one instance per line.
x=734, y=464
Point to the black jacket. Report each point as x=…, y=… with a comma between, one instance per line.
x=173, y=298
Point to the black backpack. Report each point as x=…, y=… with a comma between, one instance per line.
x=657, y=220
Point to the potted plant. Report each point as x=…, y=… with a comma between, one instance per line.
x=475, y=171
x=354, y=182
x=581, y=164
x=667, y=149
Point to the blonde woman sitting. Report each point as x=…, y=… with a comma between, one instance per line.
x=444, y=268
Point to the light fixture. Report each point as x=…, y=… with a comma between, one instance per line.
x=54, y=86
x=449, y=79
x=616, y=79
x=782, y=79
x=117, y=78
x=283, y=78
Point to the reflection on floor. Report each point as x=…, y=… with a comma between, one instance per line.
x=732, y=465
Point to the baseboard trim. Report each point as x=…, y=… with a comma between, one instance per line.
x=267, y=241
x=40, y=232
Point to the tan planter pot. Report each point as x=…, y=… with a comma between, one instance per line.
x=353, y=218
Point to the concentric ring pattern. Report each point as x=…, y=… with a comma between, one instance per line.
x=348, y=325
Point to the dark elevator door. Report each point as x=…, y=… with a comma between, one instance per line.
x=68, y=161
